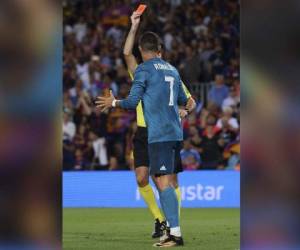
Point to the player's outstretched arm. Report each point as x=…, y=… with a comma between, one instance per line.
x=103, y=103
x=129, y=43
x=136, y=93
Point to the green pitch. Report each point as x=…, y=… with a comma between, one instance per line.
x=130, y=229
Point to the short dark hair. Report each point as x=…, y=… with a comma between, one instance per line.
x=150, y=41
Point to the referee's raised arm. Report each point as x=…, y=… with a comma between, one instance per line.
x=129, y=43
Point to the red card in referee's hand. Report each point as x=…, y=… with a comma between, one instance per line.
x=140, y=10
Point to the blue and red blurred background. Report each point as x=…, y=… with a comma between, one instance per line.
x=30, y=153
x=201, y=39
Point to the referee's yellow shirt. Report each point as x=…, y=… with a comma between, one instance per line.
x=140, y=120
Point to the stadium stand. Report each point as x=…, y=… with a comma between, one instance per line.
x=201, y=39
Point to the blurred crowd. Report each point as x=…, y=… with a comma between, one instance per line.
x=201, y=39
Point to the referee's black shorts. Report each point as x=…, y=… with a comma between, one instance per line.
x=140, y=150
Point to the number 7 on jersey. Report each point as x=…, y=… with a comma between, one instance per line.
x=170, y=80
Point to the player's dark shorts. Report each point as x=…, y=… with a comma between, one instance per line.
x=140, y=150
x=164, y=157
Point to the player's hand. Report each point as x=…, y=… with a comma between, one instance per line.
x=104, y=103
x=135, y=19
x=182, y=113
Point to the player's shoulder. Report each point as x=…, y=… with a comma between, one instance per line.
x=143, y=67
x=170, y=65
x=147, y=64
x=172, y=69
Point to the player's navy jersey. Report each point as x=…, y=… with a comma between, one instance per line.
x=158, y=85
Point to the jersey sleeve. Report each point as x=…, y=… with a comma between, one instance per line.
x=131, y=74
x=137, y=90
x=182, y=97
x=186, y=91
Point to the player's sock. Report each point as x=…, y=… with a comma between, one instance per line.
x=175, y=231
x=178, y=194
x=149, y=198
x=162, y=205
x=170, y=206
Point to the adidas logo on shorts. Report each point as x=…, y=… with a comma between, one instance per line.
x=163, y=168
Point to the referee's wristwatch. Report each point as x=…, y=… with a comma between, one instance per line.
x=188, y=112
